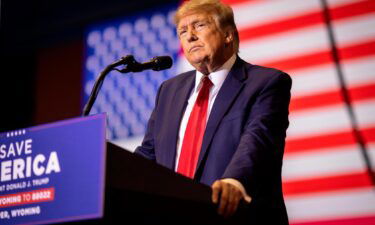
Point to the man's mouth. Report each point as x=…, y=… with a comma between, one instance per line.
x=194, y=48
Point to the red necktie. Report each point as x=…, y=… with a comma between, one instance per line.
x=194, y=132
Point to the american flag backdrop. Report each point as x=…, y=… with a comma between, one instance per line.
x=325, y=181
x=128, y=99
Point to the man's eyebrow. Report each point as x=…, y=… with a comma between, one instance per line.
x=181, y=27
x=192, y=23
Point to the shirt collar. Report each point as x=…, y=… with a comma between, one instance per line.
x=217, y=77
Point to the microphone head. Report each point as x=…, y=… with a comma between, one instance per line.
x=162, y=63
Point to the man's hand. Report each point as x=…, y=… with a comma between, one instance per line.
x=230, y=192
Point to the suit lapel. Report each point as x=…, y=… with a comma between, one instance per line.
x=227, y=94
x=177, y=109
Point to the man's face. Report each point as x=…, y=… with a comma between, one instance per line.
x=202, y=41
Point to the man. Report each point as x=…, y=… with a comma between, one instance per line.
x=224, y=124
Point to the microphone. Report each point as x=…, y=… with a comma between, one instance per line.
x=157, y=63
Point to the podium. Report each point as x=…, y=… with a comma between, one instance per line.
x=139, y=191
x=66, y=172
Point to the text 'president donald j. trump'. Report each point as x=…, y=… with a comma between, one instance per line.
x=225, y=123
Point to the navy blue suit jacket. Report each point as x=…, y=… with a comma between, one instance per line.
x=244, y=137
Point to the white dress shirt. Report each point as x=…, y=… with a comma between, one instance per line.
x=217, y=78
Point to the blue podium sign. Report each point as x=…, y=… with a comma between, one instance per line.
x=53, y=172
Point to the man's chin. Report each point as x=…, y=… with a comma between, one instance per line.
x=198, y=61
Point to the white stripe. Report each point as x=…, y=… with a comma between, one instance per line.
x=307, y=40
x=317, y=121
x=324, y=78
x=314, y=80
x=327, y=162
x=335, y=3
x=365, y=113
x=328, y=119
x=285, y=45
x=332, y=205
x=261, y=12
x=268, y=11
x=355, y=29
x=359, y=71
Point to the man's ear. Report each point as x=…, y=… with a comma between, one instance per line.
x=228, y=36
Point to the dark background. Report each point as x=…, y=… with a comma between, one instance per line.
x=42, y=55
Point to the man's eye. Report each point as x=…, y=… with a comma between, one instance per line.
x=200, y=25
x=182, y=32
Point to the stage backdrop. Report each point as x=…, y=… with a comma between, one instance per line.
x=332, y=112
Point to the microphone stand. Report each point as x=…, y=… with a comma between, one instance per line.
x=127, y=60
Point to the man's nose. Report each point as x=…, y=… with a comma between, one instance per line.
x=192, y=36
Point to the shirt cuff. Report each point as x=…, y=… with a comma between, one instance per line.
x=238, y=184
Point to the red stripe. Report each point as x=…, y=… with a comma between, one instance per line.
x=276, y=27
x=368, y=220
x=362, y=92
x=304, y=61
x=314, y=101
x=358, y=50
x=354, y=9
x=323, y=57
x=325, y=141
x=368, y=135
x=325, y=184
x=306, y=20
x=333, y=97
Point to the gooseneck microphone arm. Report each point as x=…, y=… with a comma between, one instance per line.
x=99, y=82
x=157, y=64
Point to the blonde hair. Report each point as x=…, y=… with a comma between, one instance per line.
x=221, y=13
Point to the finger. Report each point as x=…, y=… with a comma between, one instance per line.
x=224, y=198
x=235, y=196
x=247, y=199
x=230, y=198
x=216, y=188
x=236, y=202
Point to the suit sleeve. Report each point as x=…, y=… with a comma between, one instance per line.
x=258, y=159
x=147, y=148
